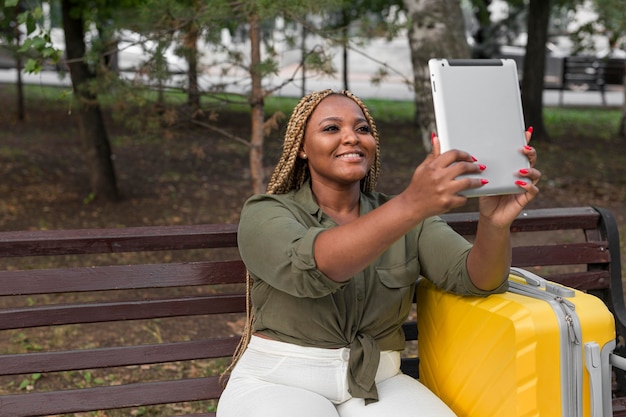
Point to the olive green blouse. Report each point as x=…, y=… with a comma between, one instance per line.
x=296, y=303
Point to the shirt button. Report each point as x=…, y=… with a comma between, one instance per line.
x=359, y=296
x=345, y=355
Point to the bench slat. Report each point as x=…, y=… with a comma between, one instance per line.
x=564, y=254
x=26, y=363
x=62, y=280
x=532, y=220
x=584, y=281
x=133, y=239
x=110, y=397
x=17, y=318
x=130, y=239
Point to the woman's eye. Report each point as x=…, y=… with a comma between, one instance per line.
x=364, y=129
x=330, y=128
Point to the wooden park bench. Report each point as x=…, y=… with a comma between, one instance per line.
x=183, y=282
x=591, y=72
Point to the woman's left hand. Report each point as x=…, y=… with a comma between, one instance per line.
x=503, y=209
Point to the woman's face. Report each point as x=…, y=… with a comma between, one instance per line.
x=338, y=142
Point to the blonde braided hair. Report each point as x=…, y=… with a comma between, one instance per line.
x=292, y=171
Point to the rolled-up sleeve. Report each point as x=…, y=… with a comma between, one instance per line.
x=276, y=241
x=443, y=256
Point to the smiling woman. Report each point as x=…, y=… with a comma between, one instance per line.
x=332, y=267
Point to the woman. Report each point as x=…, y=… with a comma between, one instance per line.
x=333, y=266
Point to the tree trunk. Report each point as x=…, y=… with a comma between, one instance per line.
x=436, y=31
x=257, y=106
x=534, y=66
x=346, y=85
x=345, y=26
x=483, y=36
x=622, y=125
x=21, y=114
x=91, y=122
x=191, y=53
x=303, y=53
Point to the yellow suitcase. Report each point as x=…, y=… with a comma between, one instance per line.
x=540, y=349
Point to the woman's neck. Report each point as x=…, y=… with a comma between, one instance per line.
x=340, y=204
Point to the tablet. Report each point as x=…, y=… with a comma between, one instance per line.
x=478, y=109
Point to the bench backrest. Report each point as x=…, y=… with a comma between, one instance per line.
x=578, y=247
x=614, y=71
x=94, y=296
x=593, y=71
x=582, y=69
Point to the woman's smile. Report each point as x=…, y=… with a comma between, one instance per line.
x=352, y=156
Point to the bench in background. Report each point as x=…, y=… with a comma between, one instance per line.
x=591, y=72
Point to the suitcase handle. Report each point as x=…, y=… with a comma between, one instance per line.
x=593, y=363
x=537, y=281
x=617, y=361
x=529, y=277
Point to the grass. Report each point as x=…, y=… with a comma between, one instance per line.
x=599, y=123
x=594, y=122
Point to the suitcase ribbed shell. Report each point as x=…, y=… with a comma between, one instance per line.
x=499, y=355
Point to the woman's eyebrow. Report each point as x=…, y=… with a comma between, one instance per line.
x=330, y=119
x=339, y=119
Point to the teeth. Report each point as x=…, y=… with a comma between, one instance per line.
x=350, y=155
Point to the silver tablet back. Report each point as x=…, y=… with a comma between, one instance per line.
x=478, y=109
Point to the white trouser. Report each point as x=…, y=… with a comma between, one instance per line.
x=277, y=379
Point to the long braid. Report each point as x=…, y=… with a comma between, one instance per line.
x=292, y=171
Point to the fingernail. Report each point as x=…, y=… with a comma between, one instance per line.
x=523, y=171
x=528, y=148
x=484, y=181
x=520, y=182
x=482, y=167
x=432, y=136
x=474, y=159
x=530, y=129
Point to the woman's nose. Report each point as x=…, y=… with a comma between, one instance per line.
x=350, y=136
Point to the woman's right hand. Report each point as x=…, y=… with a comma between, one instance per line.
x=435, y=184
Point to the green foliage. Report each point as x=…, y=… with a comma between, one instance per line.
x=37, y=48
x=612, y=14
x=90, y=379
x=611, y=22
x=25, y=344
x=28, y=383
x=89, y=198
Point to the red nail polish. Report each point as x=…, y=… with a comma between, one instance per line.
x=520, y=182
x=484, y=181
x=474, y=159
x=482, y=167
x=432, y=136
x=523, y=171
x=528, y=148
x=530, y=129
